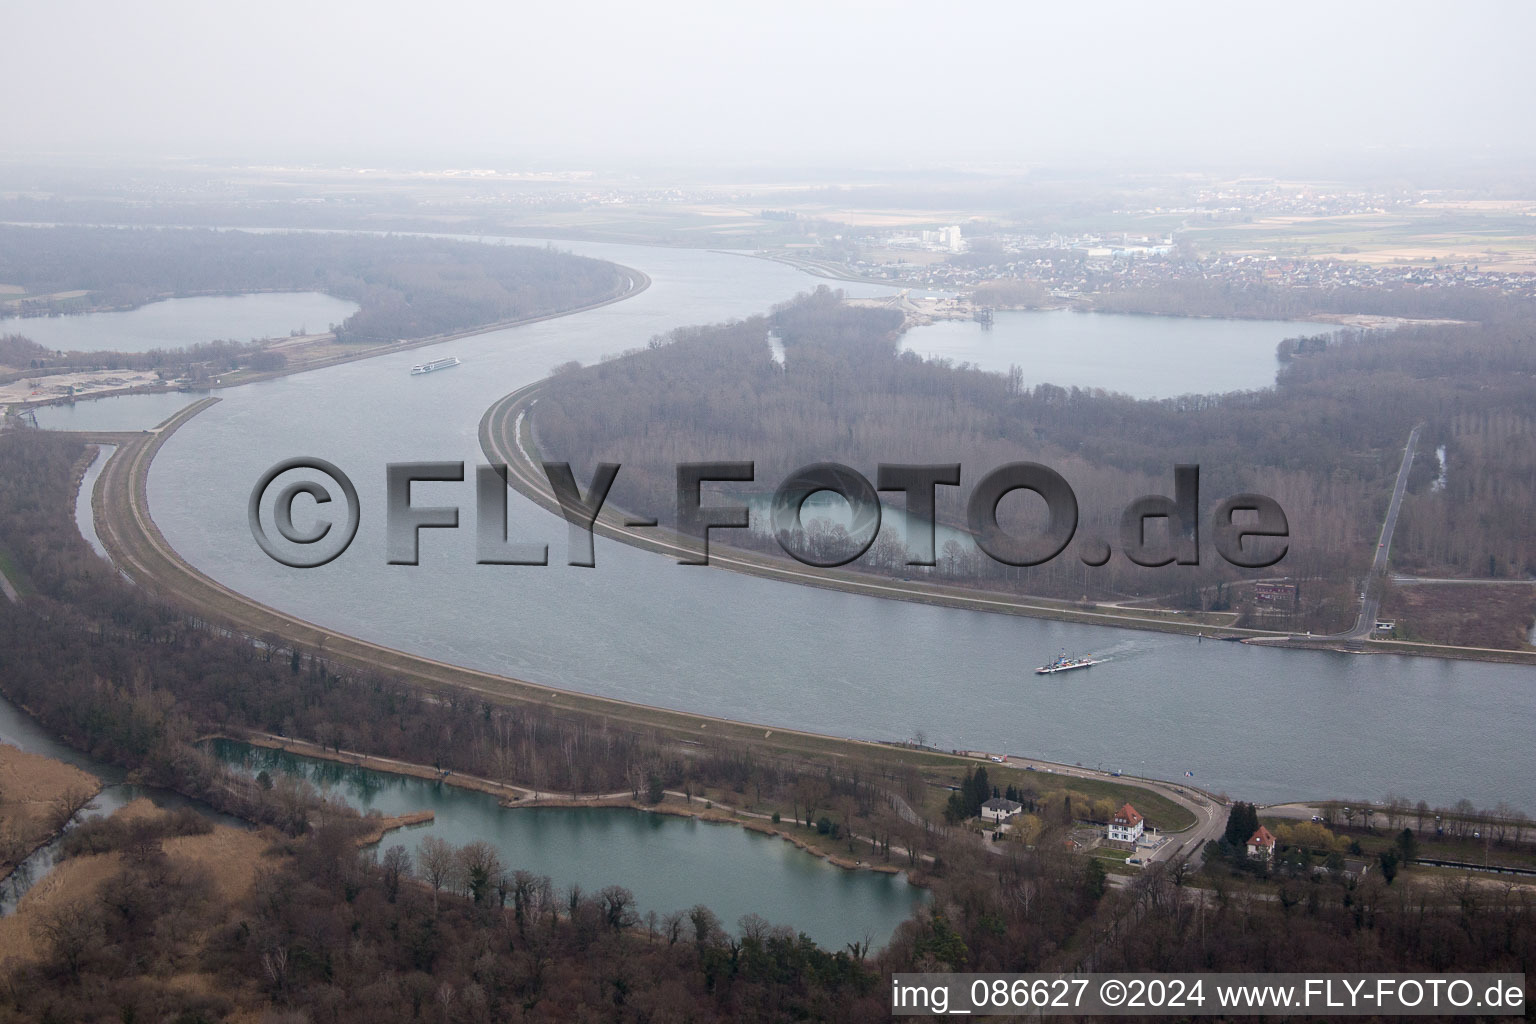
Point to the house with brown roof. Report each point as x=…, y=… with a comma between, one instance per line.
x=1126, y=826
x=1262, y=844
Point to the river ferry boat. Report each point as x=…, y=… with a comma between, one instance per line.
x=436, y=364
x=1064, y=664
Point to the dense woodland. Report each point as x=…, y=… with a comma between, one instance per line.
x=334, y=933
x=407, y=287
x=1325, y=443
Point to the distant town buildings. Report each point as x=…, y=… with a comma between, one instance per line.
x=941, y=240
x=1082, y=265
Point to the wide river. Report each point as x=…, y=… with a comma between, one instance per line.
x=1257, y=723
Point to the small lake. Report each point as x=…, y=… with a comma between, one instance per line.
x=116, y=412
x=177, y=323
x=1142, y=356
x=669, y=863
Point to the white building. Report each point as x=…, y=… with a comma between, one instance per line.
x=1126, y=826
x=999, y=810
x=1262, y=845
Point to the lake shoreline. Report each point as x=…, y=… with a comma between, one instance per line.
x=535, y=798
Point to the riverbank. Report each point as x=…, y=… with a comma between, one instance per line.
x=507, y=793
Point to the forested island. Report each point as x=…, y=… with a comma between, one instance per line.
x=845, y=393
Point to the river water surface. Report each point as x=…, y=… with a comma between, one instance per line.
x=1258, y=723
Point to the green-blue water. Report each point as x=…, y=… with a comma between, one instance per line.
x=669, y=863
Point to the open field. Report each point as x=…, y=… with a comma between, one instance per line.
x=1502, y=239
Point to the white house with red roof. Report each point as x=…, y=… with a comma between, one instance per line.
x=1126, y=826
x=1262, y=844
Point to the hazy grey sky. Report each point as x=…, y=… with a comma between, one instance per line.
x=917, y=84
